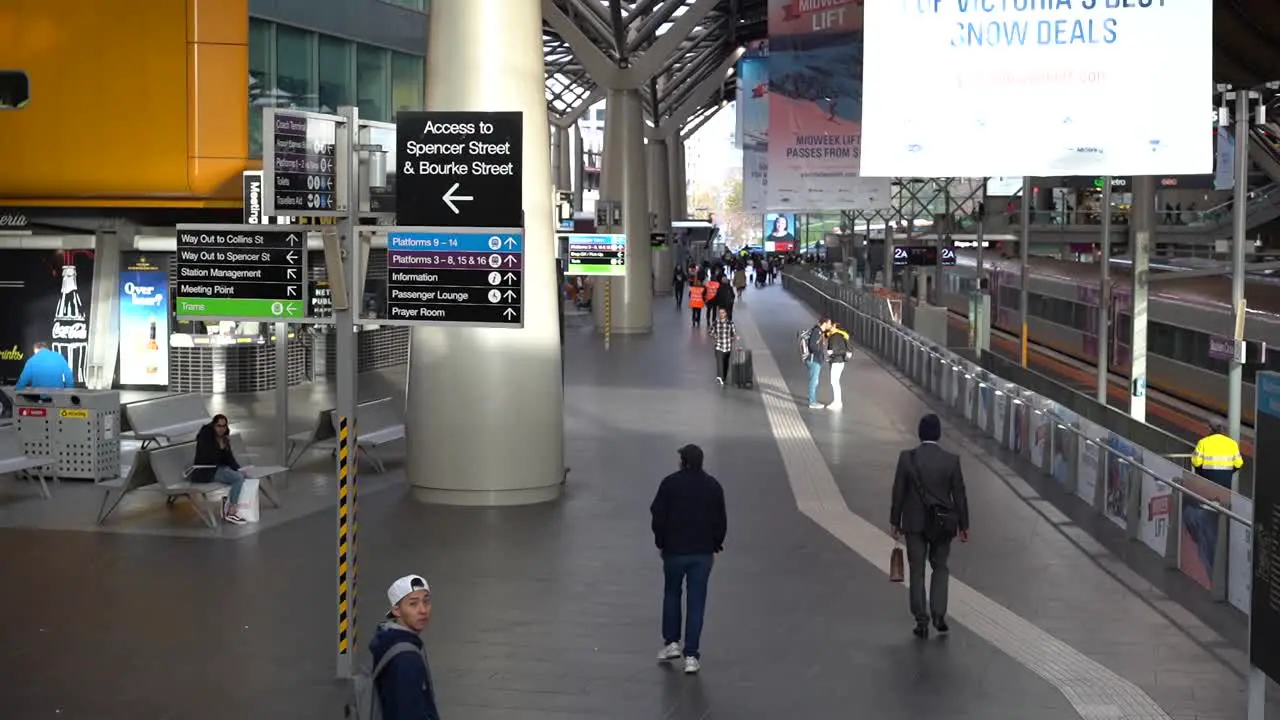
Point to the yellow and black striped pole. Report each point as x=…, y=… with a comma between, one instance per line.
x=346, y=551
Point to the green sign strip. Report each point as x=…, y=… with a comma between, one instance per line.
x=250, y=308
x=612, y=270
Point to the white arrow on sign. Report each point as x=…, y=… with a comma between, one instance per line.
x=511, y=260
x=508, y=313
x=511, y=242
x=291, y=257
x=449, y=197
x=511, y=295
x=509, y=278
x=291, y=291
x=292, y=239
x=291, y=273
x=291, y=309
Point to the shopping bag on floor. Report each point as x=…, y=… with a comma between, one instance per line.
x=249, y=504
x=897, y=573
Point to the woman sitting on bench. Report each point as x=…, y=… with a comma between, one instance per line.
x=214, y=462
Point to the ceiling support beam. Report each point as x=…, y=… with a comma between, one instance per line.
x=571, y=117
x=697, y=122
x=650, y=63
x=600, y=68
x=706, y=90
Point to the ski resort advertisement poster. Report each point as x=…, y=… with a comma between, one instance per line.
x=815, y=108
x=753, y=128
x=144, y=321
x=44, y=303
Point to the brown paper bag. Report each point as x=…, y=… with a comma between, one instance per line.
x=897, y=573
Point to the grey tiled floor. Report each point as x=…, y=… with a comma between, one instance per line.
x=551, y=611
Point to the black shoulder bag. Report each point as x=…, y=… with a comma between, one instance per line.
x=940, y=521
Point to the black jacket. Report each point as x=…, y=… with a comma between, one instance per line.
x=941, y=481
x=404, y=687
x=838, y=345
x=688, y=514
x=817, y=344
x=208, y=453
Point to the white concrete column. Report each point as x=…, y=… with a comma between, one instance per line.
x=579, y=157
x=485, y=414
x=622, y=179
x=103, y=289
x=679, y=203
x=660, y=209
x=561, y=171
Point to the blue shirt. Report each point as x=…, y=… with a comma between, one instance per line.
x=46, y=369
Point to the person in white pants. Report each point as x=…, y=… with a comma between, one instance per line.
x=839, y=350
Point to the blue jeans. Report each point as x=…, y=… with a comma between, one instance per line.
x=681, y=571
x=815, y=377
x=234, y=478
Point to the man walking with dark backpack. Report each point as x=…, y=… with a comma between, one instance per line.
x=930, y=507
x=401, y=675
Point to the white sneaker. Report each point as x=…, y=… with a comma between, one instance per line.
x=691, y=665
x=670, y=652
x=815, y=406
x=720, y=380
x=235, y=519
x=835, y=406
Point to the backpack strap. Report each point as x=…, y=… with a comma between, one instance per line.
x=394, y=650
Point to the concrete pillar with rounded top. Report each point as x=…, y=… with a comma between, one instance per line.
x=679, y=203
x=660, y=209
x=485, y=414
x=622, y=179
x=561, y=169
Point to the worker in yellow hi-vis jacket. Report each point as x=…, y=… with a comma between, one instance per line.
x=1217, y=456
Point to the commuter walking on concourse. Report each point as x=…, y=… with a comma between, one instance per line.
x=839, y=350
x=726, y=336
x=689, y=527
x=402, y=675
x=677, y=285
x=696, y=291
x=930, y=508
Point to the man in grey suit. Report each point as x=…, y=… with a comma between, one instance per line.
x=930, y=508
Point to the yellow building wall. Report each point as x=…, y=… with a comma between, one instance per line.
x=141, y=103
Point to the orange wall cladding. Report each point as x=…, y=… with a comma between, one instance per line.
x=139, y=103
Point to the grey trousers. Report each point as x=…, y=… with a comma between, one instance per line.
x=920, y=549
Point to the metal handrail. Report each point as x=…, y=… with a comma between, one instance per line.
x=925, y=344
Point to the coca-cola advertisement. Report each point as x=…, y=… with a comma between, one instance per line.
x=46, y=296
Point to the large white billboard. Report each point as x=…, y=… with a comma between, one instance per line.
x=1037, y=87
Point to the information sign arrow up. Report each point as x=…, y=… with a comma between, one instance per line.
x=509, y=313
x=449, y=197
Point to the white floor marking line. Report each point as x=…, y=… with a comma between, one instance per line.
x=1095, y=692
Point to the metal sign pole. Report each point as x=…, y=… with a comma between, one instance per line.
x=345, y=307
x=282, y=392
x=1104, y=297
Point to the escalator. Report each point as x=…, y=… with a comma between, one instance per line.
x=1264, y=149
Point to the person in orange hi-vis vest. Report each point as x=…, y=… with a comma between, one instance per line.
x=713, y=288
x=696, y=301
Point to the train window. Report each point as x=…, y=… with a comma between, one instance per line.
x=15, y=89
x=1123, y=328
x=1162, y=340
x=1010, y=298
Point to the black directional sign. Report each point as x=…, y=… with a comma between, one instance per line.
x=299, y=163
x=241, y=272
x=448, y=277
x=459, y=169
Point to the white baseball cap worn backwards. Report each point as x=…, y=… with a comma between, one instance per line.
x=402, y=587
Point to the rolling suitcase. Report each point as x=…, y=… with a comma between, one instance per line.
x=741, y=369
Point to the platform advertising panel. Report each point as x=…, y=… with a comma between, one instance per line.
x=815, y=108
x=1038, y=88
x=780, y=229
x=41, y=295
x=1120, y=477
x=1040, y=429
x=1065, y=445
x=1157, y=502
x=1087, y=460
x=1240, y=556
x=1199, y=542
x=753, y=127
x=144, y=320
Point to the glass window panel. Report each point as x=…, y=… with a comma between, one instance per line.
x=260, y=84
x=420, y=5
x=335, y=74
x=296, y=85
x=373, y=86
x=406, y=82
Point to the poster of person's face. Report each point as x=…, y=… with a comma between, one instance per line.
x=779, y=228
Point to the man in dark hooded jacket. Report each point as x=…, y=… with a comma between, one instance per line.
x=404, y=685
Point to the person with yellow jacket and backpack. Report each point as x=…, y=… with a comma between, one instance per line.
x=1217, y=456
x=839, y=350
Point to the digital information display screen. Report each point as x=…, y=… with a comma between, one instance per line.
x=922, y=256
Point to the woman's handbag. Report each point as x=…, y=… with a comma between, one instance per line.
x=897, y=573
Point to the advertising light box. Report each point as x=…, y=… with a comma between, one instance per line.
x=1038, y=87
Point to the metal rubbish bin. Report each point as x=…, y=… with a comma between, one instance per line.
x=79, y=429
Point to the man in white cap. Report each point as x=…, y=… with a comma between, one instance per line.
x=404, y=681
